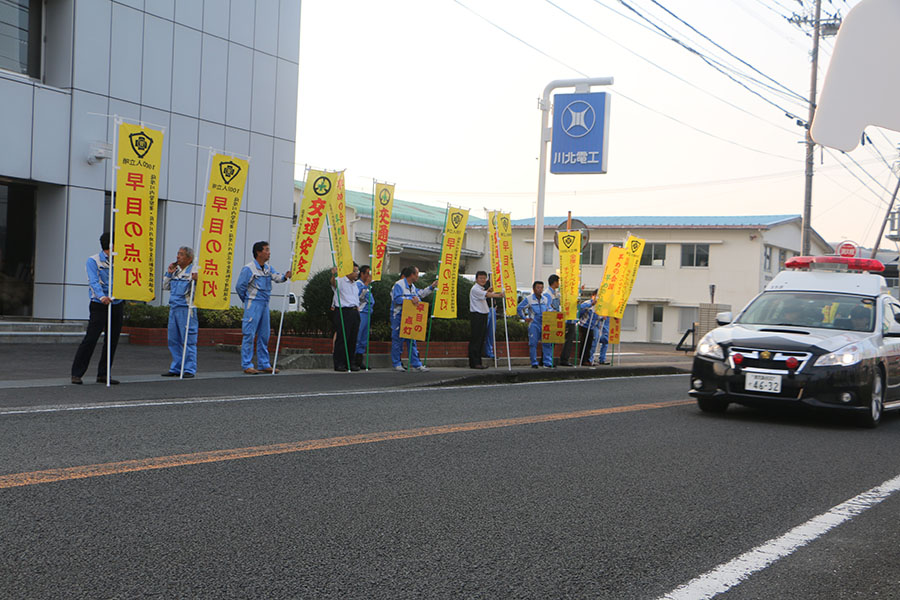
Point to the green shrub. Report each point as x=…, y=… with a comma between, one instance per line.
x=229, y=318
x=140, y=314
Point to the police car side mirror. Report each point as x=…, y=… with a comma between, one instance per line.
x=724, y=318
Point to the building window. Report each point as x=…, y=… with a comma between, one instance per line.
x=20, y=36
x=654, y=255
x=592, y=254
x=695, y=255
x=629, y=318
x=767, y=259
x=782, y=258
x=548, y=253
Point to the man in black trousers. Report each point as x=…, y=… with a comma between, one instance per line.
x=478, y=317
x=346, y=318
x=100, y=307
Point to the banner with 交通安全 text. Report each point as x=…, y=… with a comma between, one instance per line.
x=381, y=227
x=215, y=257
x=320, y=188
x=136, y=191
x=448, y=268
x=414, y=320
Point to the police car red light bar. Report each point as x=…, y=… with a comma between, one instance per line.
x=851, y=264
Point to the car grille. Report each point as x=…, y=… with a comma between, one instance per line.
x=767, y=361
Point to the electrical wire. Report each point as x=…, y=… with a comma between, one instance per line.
x=664, y=70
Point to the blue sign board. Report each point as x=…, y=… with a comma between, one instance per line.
x=580, y=133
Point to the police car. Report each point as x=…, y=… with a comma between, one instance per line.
x=825, y=334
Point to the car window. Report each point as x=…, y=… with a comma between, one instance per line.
x=811, y=309
x=887, y=317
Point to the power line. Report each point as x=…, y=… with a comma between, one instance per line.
x=618, y=92
x=728, y=52
x=663, y=69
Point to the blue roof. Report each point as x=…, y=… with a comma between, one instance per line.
x=734, y=222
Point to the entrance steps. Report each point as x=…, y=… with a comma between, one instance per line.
x=43, y=332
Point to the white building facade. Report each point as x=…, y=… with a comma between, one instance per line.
x=213, y=73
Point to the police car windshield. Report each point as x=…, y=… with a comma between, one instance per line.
x=805, y=309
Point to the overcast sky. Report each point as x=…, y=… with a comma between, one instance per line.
x=433, y=96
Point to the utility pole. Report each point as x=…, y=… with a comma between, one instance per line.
x=810, y=144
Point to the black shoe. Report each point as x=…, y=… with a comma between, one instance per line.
x=478, y=367
x=76, y=380
x=566, y=364
x=605, y=363
x=111, y=381
x=187, y=375
x=354, y=368
x=170, y=374
x=339, y=369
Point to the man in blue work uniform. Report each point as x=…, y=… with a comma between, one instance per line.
x=177, y=280
x=405, y=289
x=254, y=287
x=596, y=330
x=532, y=309
x=100, y=307
x=366, y=306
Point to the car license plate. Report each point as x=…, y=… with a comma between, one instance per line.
x=758, y=382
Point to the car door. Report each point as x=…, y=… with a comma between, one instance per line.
x=890, y=347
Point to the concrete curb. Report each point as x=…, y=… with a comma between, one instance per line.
x=507, y=377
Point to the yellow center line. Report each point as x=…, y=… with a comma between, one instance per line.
x=196, y=458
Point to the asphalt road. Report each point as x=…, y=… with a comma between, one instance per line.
x=610, y=488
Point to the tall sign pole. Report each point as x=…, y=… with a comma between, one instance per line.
x=810, y=144
x=581, y=86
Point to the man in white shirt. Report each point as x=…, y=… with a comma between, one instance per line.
x=346, y=317
x=478, y=317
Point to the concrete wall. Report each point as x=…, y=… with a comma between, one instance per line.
x=220, y=73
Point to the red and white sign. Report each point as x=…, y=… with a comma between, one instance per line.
x=847, y=249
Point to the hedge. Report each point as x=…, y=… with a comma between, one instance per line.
x=315, y=319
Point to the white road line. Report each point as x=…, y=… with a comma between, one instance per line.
x=295, y=396
x=728, y=575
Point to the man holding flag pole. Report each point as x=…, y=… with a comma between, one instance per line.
x=179, y=279
x=254, y=288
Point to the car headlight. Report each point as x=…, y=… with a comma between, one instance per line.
x=709, y=348
x=846, y=356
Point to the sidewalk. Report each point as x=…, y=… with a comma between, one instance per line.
x=49, y=365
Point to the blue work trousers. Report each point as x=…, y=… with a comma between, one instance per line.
x=489, y=338
x=534, y=339
x=177, y=322
x=255, y=324
x=362, y=339
x=398, y=344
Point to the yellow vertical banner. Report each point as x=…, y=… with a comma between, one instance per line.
x=337, y=220
x=215, y=256
x=494, y=239
x=569, y=272
x=414, y=320
x=553, y=328
x=634, y=248
x=615, y=330
x=136, y=190
x=504, y=230
x=381, y=227
x=448, y=268
x=613, y=278
x=320, y=188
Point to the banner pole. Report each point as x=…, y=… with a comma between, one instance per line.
x=112, y=235
x=337, y=294
x=503, y=288
x=584, y=349
x=437, y=278
x=287, y=288
x=371, y=263
x=493, y=312
x=197, y=259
